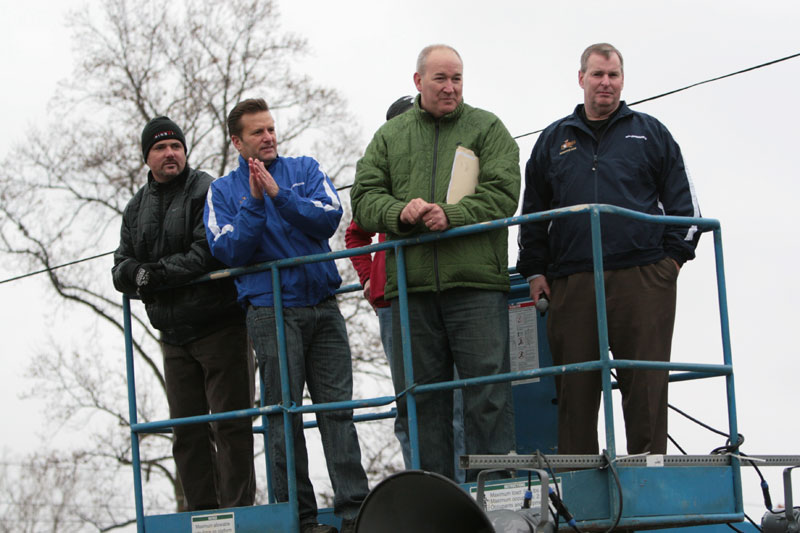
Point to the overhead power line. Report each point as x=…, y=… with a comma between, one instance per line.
x=662, y=95
x=668, y=93
x=42, y=271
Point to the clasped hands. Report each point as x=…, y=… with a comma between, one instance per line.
x=261, y=180
x=432, y=215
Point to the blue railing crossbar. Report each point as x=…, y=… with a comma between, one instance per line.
x=153, y=427
x=705, y=223
x=686, y=371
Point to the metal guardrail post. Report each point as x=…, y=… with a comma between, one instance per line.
x=728, y=360
x=264, y=430
x=408, y=369
x=603, y=348
x=602, y=330
x=135, y=459
x=286, y=399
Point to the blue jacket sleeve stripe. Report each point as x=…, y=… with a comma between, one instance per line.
x=335, y=205
x=695, y=207
x=213, y=226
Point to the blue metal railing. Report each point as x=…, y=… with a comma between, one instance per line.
x=688, y=371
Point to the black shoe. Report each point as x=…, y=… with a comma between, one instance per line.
x=317, y=528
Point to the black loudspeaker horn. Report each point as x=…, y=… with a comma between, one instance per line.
x=420, y=502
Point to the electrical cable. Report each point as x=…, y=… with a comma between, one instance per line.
x=727, y=449
x=764, y=485
x=753, y=523
x=699, y=423
x=42, y=271
x=555, y=498
x=674, y=91
x=561, y=507
x=553, y=512
x=731, y=449
x=75, y=262
x=610, y=465
x=554, y=515
x=662, y=95
x=734, y=528
x=526, y=500
x=675, y=443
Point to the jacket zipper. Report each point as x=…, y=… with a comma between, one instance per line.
x=598, y=136
x=162, y=214
x=433, y=199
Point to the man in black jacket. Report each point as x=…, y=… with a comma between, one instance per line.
x=207, y=363
x=606, y=153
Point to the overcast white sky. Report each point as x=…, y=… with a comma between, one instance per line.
x=521, y=60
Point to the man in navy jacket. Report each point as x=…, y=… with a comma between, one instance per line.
x=606, y=153
x=270, y=208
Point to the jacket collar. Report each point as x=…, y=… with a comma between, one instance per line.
x=576, y=121
x=452, y=115
x=244, y=166
x=175, y=183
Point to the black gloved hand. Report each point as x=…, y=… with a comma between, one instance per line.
x=148, y=276
x=142, y=276
x=146, y=296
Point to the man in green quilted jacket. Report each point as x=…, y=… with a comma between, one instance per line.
x=441, y=165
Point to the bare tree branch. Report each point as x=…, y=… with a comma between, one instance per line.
x=64, y=189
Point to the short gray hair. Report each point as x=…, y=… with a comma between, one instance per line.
x=605, y=50
x=422, y=59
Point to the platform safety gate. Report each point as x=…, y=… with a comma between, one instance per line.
x=284, y=517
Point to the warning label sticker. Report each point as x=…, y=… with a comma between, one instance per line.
x=523, y=339
x=214, y=523
x=509, y=494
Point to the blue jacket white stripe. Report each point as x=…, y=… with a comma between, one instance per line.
x=298, y=221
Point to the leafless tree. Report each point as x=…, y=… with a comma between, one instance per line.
x=58, y=492
x=63, y=190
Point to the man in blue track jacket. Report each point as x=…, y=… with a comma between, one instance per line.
x=272, y=208
x=606, y=153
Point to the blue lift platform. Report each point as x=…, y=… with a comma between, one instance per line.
x=603, y=493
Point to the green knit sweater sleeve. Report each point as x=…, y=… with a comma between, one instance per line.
x=374, y=207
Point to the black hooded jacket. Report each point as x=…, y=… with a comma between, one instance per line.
x=163, y=226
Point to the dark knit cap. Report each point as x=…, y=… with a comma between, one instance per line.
x=400, y=106
x=159, y=129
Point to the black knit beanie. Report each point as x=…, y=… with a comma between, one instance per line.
x=159, y=129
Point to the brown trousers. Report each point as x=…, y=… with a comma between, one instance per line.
x=215, y=461
x=640, y=307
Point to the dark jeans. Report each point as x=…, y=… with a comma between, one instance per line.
x=467, y=328
x=640, y=307
x=319, y=356
x=385, y=321
x=215, y=461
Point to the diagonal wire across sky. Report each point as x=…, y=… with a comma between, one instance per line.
x=656, y=97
